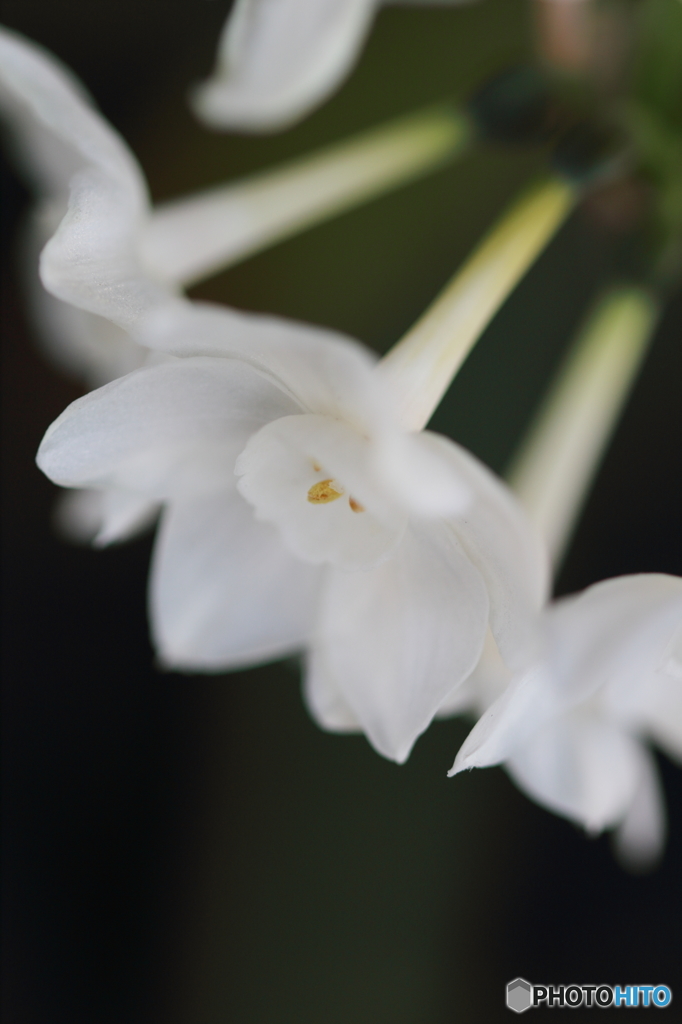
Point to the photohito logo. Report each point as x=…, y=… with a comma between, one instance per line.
x=522, y=996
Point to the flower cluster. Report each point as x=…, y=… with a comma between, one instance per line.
x=302, y=505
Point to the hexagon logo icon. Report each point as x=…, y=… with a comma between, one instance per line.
x=519, y=997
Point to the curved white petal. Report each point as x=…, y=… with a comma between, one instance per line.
x=612, y=637
x=172, y=429
x=102, y=517
x=124, y=515
x=323, y=698
x=640, y=838
x=398, y=638
x=78, y=514
x=289, y=462
x=278, y=59
x=501, y=542
x=422, y=479
x=581, y=768
x=325, y=372
x=81, y=343
x=79, y=162
x=224, y=591
x=657, y=708
x=525, y=705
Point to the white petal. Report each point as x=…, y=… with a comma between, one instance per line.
x=73, y=154
x=81, y=343
x=640, y=837
x=612, y=637
x=527, y=704
x=421, y=477
x=659, y=710
x=287, y=459
x=224, y=591
x=323, y=371
x=278, y=59
x=580, y=768
x=323, y=698
x=398, y=638
x=78, y=515
x=172, y=429
x=500, y=541
x=124, y=515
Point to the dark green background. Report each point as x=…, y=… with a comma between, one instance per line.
x=195, y=850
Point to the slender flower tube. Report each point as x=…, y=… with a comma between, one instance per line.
x=571, y=728
x=422, y=365
x=278, y=59
x=556, y=462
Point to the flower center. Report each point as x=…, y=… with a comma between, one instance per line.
x=324, y=491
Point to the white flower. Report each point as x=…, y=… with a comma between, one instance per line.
x=387, y=553
x=278, y=59
x=572, y=729
x=114, y=259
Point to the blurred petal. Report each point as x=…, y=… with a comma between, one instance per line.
x=398, y=638
x=78, y=515
x=500, y=541
x=323, y=371
x=80, y=162
x=640, y=837
x=54, y=124
x=224, y=591
x=124, y=514
x=278, y=59
x=85, y=345
x=660, y=704
x=102, y=517
x=353, y=525
x=172, y=429
x=613, y=635
x=526, y=704
x=422, y=478
x=583, y=769
x=323, y=698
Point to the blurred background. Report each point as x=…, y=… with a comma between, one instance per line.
x=194, y=849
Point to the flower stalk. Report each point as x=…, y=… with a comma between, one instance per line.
x=558, y=459
x=234, y=221
x=423, y=363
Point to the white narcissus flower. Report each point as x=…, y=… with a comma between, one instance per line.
x=113, y=258
x=386, y=553
x=572, y=729
x=278, y=59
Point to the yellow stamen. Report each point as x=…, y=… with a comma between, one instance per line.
x=355, y=505
x=325, y=491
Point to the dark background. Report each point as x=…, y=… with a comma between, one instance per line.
x=192, y=849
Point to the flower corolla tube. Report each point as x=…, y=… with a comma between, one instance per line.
x=572, y=728
x=278, y=59
x=300, y=513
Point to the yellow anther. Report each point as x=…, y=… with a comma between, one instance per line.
x=324, y=492
x=355, y=505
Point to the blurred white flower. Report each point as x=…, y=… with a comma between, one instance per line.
x=387, y=553
x=113, y=258
x=572, y=729
x=278, y=59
